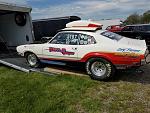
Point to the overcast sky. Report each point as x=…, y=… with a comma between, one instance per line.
x=86, y=9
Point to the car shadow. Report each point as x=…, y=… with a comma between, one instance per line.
x=141, y=75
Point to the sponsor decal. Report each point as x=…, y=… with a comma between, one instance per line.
x=61, y=50
x=128, y=50
x=127, y=54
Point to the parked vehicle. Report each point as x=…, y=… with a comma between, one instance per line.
x=101, y=51
x=140, y=31
x=49, y=27
x=15, y=26
x=115, y=28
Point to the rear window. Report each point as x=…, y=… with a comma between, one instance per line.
x=112, y=35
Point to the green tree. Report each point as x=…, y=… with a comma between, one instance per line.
x=146, y=17
x=138, y=19
x=133, y=19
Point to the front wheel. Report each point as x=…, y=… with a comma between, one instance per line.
x=99, y=69
x=32, y=60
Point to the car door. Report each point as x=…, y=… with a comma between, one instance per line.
x=62, y=47
x=87, y=44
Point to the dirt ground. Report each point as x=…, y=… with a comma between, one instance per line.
x=141, y=75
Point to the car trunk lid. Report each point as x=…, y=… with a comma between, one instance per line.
x=135, y=44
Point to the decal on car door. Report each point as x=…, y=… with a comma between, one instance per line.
x=61, y=50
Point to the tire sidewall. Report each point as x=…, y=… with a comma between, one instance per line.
x=109, y=69
x=37, y=63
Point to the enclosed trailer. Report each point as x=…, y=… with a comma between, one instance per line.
x=15, y=29
x=15, y=26
x=49, y=27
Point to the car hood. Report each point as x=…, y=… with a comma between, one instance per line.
x=134, y=44
x=30, y=45
x=27, y=46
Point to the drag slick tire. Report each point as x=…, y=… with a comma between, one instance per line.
x=99, y=69
x=32, y=60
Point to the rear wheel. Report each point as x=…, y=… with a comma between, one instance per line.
x=32, y=60
x=99, y=69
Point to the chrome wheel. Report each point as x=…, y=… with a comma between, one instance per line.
x=32, y=59
x=98, y=68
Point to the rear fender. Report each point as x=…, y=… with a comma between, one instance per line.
x=106, y=56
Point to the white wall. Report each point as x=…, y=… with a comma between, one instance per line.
x=13, y=34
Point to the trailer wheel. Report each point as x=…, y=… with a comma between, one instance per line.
x=32, y=60
x=100, y=69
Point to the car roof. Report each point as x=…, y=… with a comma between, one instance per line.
x=137, y=25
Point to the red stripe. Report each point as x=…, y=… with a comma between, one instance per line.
x=114, y=59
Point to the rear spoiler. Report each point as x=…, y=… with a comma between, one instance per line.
x=89, y=29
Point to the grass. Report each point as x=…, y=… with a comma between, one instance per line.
x=36, y=93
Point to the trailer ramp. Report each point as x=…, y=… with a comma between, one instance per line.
x=13, y=60
x=20, y=64
x=16, y=63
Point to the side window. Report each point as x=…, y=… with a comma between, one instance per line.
x=72, y=39
x=128, y=28
x=59, y=39
x=86, y=39
x=146, y=28
x=136, y=28
x=66, y=38
x=111, y=35
x=140, y=28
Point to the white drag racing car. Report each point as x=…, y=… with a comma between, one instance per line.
x=102, y=52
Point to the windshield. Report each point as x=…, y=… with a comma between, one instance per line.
x=112, y=35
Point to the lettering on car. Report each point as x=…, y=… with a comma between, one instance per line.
x=61, y=50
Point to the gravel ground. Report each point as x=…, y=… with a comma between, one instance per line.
x=141, y=75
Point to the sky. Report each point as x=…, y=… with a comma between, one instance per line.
x=86, y=9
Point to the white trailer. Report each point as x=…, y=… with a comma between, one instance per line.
x=15, y=25
x=15, y=29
